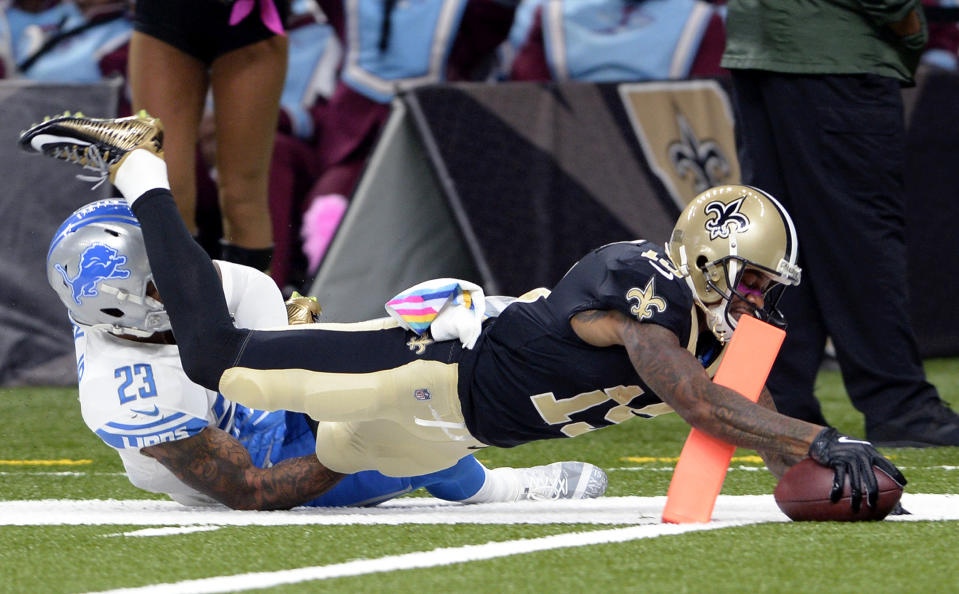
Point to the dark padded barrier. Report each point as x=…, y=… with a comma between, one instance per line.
x=508, y=185
x=534, y=175
x=537, y=175
x=36, y=341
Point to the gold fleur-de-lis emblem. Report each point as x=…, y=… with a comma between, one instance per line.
x=646, y=300
x=418, y=344
x=702, y=160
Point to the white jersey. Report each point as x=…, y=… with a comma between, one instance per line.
x=135, y=394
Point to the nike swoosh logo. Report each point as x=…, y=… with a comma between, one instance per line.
x=844, y=439
x=476, y=447
x=150, y=413
x=40, y=140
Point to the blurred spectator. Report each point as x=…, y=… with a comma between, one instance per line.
x=29, y=23
x=391, y=45
x=6, y=47
x=87, y=47
x=618, y=40
x=180, y=50
x=942, y=51
x=820, y=125
x=314, y=61
x=523, y=17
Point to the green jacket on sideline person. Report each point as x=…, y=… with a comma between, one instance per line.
x=883, y=37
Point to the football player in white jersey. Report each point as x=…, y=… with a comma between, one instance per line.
x=178, y=438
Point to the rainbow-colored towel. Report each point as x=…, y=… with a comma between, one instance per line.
x=452, y=308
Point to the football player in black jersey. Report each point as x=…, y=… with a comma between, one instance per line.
x=629, y=331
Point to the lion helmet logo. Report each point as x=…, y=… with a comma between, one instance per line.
x=97, y=263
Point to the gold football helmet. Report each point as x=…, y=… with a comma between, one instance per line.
x=721, y=233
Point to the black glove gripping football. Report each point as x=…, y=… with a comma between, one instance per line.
x=855, y=458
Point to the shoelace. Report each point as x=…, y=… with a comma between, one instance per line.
x=543, y=486
x=91, y=159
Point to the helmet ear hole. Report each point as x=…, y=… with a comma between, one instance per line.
x=113, y=312
x=701, y=261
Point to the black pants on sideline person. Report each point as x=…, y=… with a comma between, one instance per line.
x=831, y=148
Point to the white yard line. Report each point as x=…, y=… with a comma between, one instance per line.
x=730, y=511
x=644, y=513
x=166, y=531
x=434, y=558
x=419, y=510
x=406, y=510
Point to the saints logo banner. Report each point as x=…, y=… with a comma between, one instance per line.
x=685, y=129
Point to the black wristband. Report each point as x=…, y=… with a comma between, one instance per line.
x=819, y=446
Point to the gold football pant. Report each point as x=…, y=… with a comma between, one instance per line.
x=385, y=399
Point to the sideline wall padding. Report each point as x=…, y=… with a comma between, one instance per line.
x=533, y=175
x=36, y=341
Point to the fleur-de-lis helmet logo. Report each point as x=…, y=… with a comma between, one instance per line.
x=724, y=216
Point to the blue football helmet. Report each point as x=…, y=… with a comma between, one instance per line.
x=97, y=263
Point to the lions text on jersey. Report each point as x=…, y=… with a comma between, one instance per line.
x=135, y=394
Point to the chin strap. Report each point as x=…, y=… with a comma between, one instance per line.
x=716, y=319
x=719, y=323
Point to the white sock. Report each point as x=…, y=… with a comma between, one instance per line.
x=140, y=172
x=502, y=484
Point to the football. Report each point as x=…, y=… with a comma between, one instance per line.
x=803, y=495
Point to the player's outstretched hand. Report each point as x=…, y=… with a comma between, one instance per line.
x=853, y=458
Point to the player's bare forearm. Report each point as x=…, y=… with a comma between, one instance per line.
x=216, y=464
x=678, y=378
x=776, y=462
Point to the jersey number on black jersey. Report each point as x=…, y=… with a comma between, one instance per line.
x=557, y=412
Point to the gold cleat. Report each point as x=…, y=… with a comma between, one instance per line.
x=98, y=145
x=302, y=310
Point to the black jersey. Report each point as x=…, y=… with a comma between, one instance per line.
x=530, y=377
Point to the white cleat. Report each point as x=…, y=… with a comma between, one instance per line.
x=562, y=480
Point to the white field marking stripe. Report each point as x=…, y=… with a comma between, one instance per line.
x=434, y=558
x=165, y=531
x=608, y=470
x=420, y=510
x=740, y=511
x=405, y=510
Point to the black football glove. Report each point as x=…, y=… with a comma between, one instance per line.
x=855, y=458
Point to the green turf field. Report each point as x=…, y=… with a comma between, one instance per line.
x=47, y=453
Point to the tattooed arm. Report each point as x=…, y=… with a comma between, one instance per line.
x=677, y=377
x=777, y=462
x=216, y=464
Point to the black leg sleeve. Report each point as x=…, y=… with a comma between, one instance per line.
x=191, y=291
